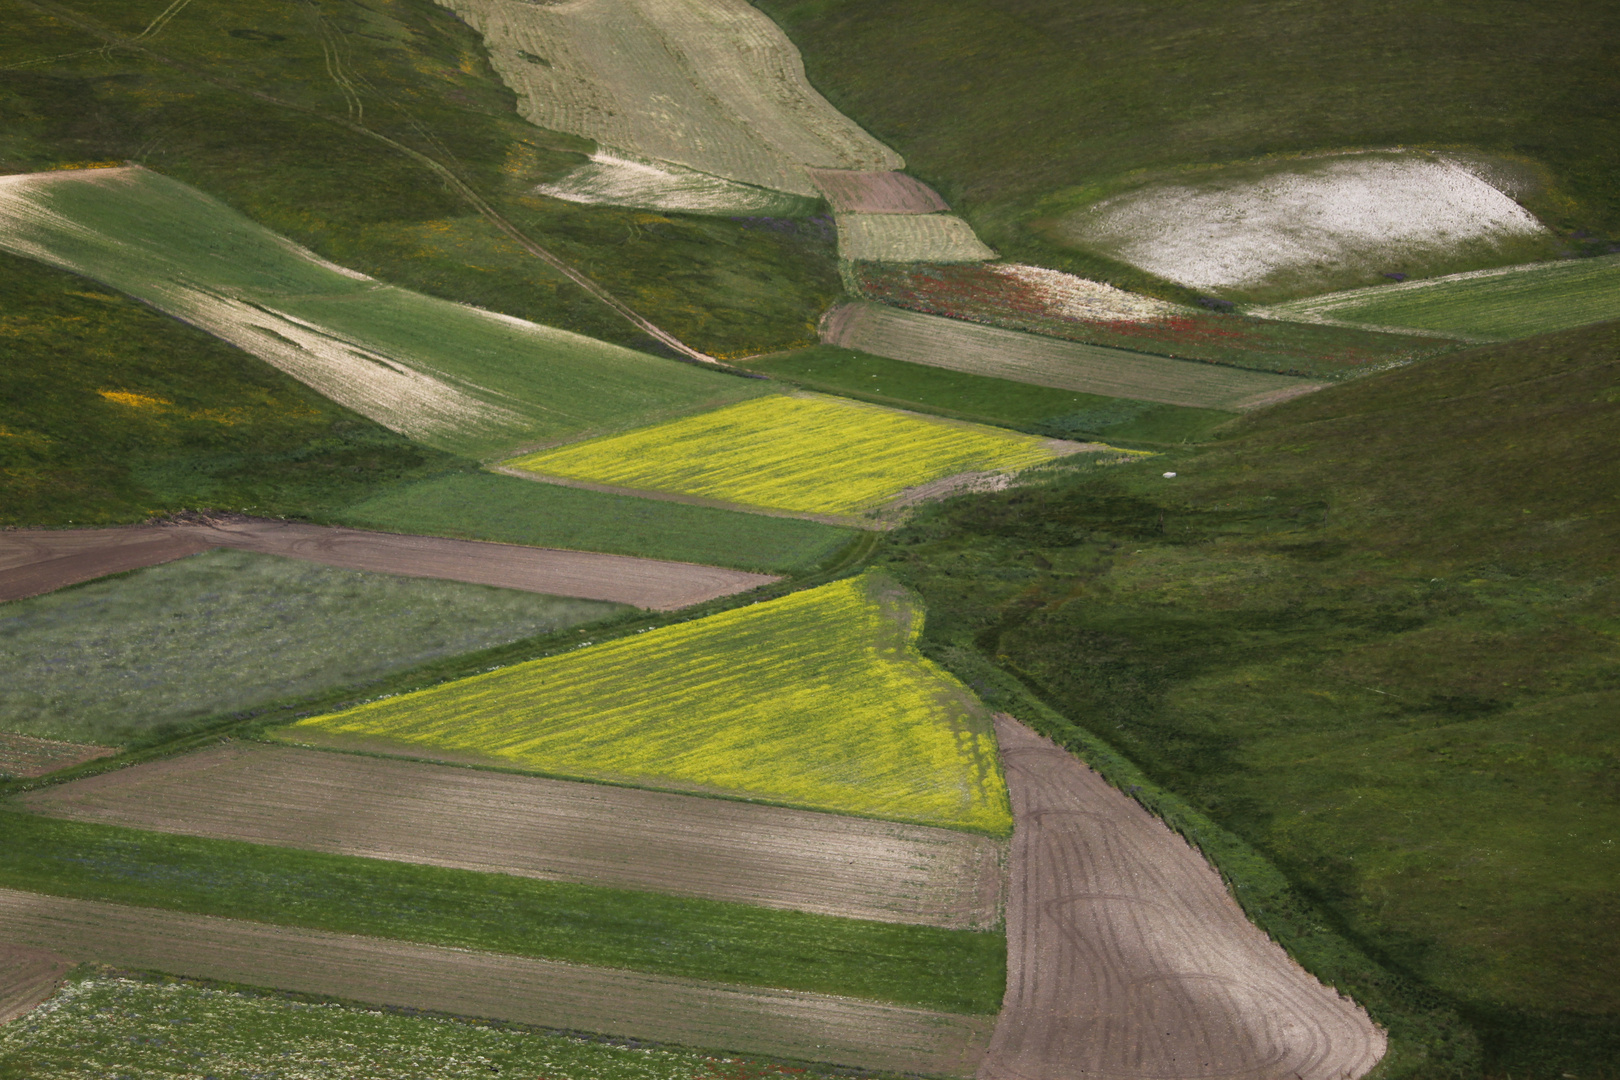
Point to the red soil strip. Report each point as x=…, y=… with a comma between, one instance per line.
x=750, y=1020
x=26, y=756
x=552, y=829
x=28, y=976
x=853, y=192
x=34, y=561
x=1129, y=960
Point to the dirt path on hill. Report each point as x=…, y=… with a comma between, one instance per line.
x=1129, y=960
x=28, y=976
x=34, y=561
x=559, y=830
x=781, y=1023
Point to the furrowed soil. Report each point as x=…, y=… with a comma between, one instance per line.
x=495, y=986
x=1066, y=365
x=28, y=975
x=27, y=756
x=852, y=192
x=1128, y=958
x=550, y=829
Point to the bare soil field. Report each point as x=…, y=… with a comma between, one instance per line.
x=852, y=192
x=1127, y=957
x=1042, y=361
x=34, y=561
x=553, y=829
x=28, y=975
x=24, y=755
x=780, y=1023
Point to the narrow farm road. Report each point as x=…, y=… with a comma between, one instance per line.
x=1129, y=960
x=741, y=1019
x=35, y=561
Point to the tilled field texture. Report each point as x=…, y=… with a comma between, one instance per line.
x=34, y=561
x=804, y=453
x=28, y=975
x=452, y=376
x=26, y=756
x=1485, y=305
x=713, y=85
x=494, y=986
x=908, y=238
x=1043, y=361
x=818, y=699
x=596, y=834
x=1129, y=960
x=852, y=192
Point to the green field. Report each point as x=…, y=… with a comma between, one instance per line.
x=952, y=970
x=111, y=1021
x=1371, y=632
x=122, y=659
x=799, y=453
x=817, y=699
x=1040, y=410
x=226, y=430
x=1021, y=111
x=1512, y=303
x=488, y=506
x=450, y=376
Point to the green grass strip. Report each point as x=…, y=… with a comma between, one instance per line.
x=960, y=971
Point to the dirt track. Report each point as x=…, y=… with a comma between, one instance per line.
x=28, y=976
x=553, y=829
x=1128, y=959
x=742, y=1019
x=34, y=561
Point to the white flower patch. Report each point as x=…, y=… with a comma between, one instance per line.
x=616, y=179
x=1071, y=297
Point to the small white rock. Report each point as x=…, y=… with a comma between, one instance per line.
x=1168, y=475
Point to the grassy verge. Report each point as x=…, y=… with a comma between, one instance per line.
x=951, y=970
x=1369, y=636
x=1040, y=410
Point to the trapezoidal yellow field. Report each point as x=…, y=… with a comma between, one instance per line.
x=818, y=699
x=802, y=453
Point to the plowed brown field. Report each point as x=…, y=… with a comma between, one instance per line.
x=740, y=1019
x=24, y=755
x=1129, y=960
x=34, y=561
x=553, y=829
x=28, y=975
x=852, y=192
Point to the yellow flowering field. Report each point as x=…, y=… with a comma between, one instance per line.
x=803, y=453
x=818, y=699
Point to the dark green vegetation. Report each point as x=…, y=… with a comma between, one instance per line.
x=489, y=506
x=218, y=427
x=1371, y=633
x=1038, y=409
x=1018, y=110
x=273, y=110
x=119, y=659
x=952, y=970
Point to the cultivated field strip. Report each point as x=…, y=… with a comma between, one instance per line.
x=909, y=238
x=26, y=755
x=1065, y=365
x=852, y=192
x=781, y=1023
x=713, y=85
x=551, y=829
x=38, y=561
x=28, y=975
x=1127, y=957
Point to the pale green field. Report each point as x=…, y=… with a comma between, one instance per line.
x=818, y=699
x=448, y=375
x=800, y=453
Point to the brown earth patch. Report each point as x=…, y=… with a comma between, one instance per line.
x=1129, y=960
x=552, y=829
x=27, y=756
x=852, y=192
x=34, y=561
x=740, y=1019
x=28, y=975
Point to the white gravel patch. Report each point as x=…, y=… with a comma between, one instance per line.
x=1349, y=212
x=617, y=179
x=1069, y=297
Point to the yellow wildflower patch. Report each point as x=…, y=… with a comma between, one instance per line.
x=819, y=699
x=800, y=453
x=135, y=401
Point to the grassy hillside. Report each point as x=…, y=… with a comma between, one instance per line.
x=1371, y=632
x=1018, y=110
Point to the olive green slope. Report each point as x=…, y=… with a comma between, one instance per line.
x=1372, y=633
